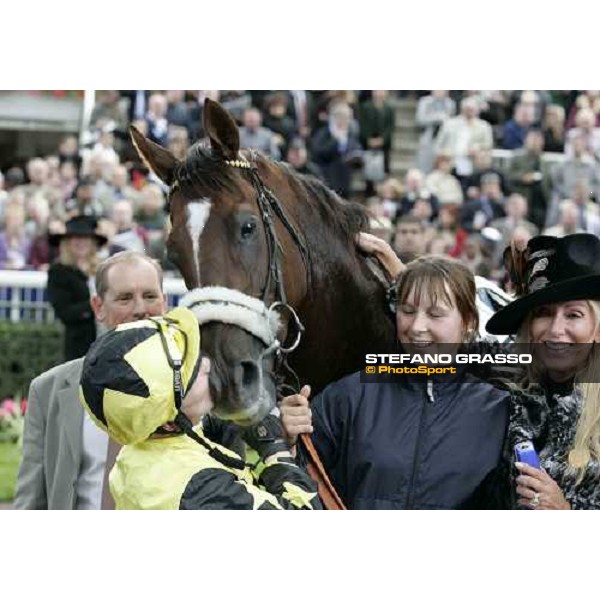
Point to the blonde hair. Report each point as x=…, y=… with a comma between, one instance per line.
x=66, y=257
x=586, y=446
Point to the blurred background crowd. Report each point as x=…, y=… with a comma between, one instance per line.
x=445, y=172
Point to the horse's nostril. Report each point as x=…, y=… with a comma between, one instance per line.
x=249, y=373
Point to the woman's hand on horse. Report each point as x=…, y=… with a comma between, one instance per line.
x=383, y=252
x=296, y=416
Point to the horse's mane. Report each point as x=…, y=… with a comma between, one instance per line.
x=202, y=168
x=347, y=218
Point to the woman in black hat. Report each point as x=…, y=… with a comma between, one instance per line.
x=69, y=280
x=557, y=407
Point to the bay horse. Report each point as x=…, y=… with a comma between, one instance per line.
x=246, y=229
x=244, y=222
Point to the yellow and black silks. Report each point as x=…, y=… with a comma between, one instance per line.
x=127, y=377
x=177, y=473
x=128, y=388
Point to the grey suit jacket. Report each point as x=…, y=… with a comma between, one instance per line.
x=52, y=441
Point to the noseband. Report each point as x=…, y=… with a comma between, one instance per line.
x=234, y=307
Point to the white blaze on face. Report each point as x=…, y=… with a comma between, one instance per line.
x=197, y=216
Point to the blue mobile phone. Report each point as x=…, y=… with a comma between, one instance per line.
x=525, y=453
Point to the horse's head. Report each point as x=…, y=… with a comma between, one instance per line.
x=225, y=233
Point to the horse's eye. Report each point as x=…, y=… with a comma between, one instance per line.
x=248, y=229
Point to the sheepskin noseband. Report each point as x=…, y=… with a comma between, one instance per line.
x=225, y=305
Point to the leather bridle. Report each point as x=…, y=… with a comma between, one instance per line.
x=273, y=293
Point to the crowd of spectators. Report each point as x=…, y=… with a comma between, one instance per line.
x=493, y=167
x=455, y=199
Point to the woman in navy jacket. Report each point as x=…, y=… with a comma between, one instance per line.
x=412, y=443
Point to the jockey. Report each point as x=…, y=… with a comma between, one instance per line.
x=146, y=385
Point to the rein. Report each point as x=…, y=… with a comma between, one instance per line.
x=219, y=304
x=270, y=207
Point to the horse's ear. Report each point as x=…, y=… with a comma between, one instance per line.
x=222, y=130
x=155, y=157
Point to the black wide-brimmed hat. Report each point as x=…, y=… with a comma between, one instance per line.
x=554, y=270
x=80, y=226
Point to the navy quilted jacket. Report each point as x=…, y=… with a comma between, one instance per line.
x=426, y=445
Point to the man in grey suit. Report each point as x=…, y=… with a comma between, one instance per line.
x=64, y=453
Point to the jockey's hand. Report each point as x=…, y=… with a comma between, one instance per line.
x=266, y=437
x=382, y=251
x=296, y=416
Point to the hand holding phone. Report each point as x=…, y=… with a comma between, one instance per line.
x=525, y=453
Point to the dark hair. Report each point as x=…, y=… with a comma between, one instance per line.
x=432, y=277
x=409, y=220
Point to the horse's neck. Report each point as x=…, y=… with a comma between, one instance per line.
x=353, y=301
x=344, y=317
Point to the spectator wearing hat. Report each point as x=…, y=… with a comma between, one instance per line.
x=64, y=452
x=69, y=282
x=556, y=405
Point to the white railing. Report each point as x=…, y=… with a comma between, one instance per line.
x=23, y=296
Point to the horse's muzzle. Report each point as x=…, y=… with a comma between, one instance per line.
x=250, y=395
